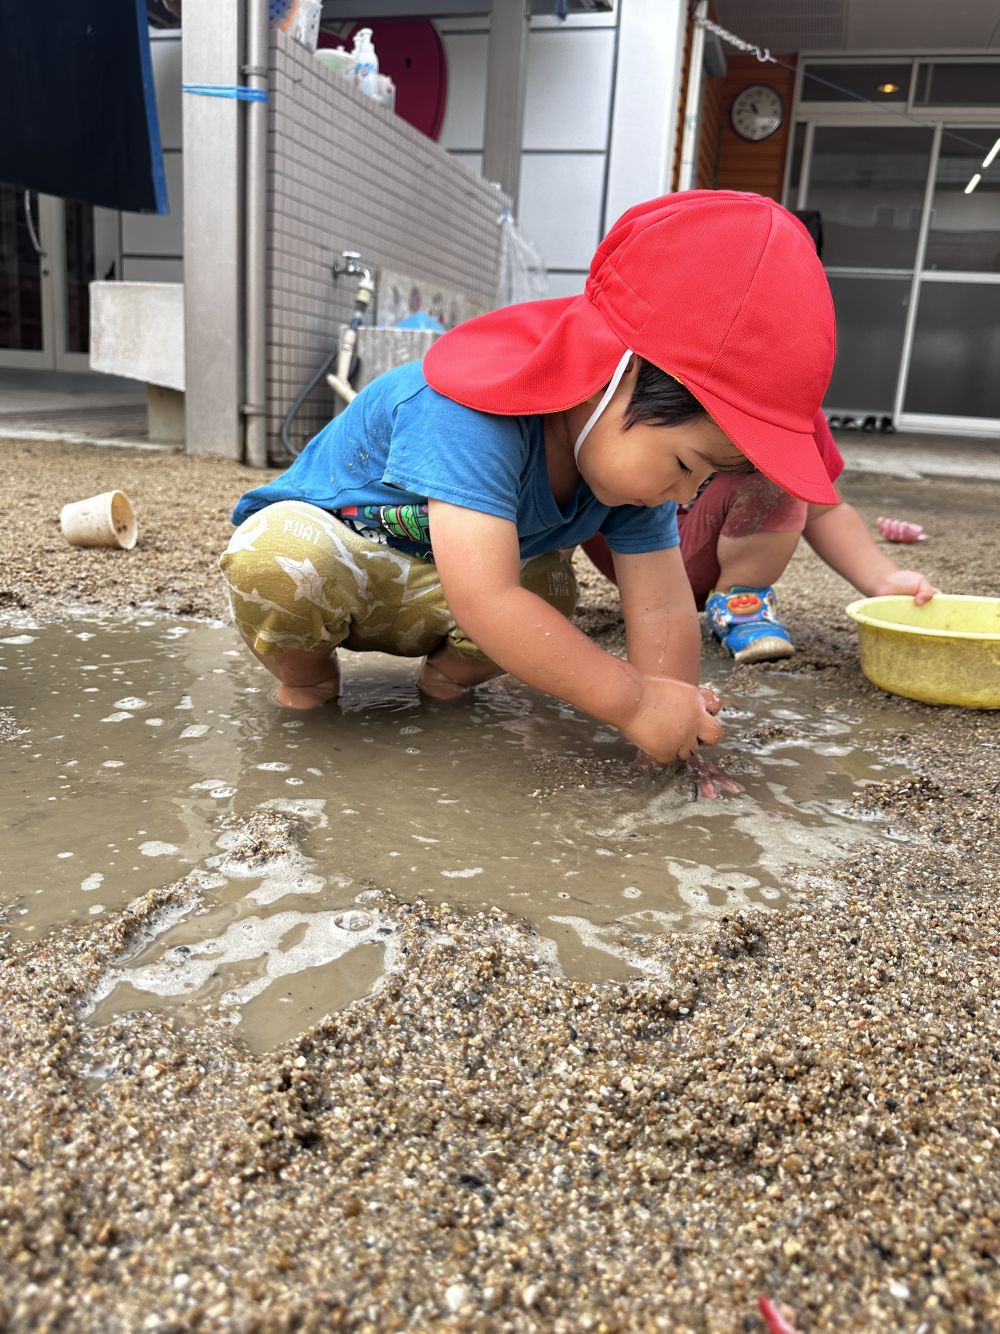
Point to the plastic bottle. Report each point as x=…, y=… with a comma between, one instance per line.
x=365, y=62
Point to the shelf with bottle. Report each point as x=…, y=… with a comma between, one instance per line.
x=360, y=66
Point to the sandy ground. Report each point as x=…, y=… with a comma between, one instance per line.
x=805, y=1105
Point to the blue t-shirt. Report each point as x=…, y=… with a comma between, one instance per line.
x=401, y=442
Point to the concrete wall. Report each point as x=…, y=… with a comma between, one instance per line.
x=137, y=330
x=152, y=245
x=347, y=174
x=600, y=111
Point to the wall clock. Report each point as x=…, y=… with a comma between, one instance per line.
x=757, y=111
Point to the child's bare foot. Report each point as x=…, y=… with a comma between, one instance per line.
x=450, y=675
x=307, y=679
x=433, y=683
x=307, y=697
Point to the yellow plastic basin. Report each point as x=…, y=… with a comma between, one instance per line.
x=945, y=652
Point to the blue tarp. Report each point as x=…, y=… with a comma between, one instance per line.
x=77, y=108
x=420, y=320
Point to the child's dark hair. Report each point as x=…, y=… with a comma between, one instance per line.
x=660, y=400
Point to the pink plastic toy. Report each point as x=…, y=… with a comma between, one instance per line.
x=773, y=1318
x=898, y=530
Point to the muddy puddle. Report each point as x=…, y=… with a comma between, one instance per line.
x=145, y=743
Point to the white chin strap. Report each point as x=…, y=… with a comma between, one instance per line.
x=605, y=400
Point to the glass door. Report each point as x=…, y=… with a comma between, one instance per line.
x=869, y=183
x=50, y=251
x=23, y=293
x=952, y=379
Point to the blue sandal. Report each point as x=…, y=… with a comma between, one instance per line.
x=746, y=620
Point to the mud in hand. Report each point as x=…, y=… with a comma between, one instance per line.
x=710, y=781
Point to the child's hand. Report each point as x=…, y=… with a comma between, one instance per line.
x=906, y=583
x=710, y=781
x=672, y=719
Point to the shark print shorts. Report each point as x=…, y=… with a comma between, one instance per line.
x=300, y=579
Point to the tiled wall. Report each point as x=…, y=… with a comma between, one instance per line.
x=429, y=214
x=345, y=173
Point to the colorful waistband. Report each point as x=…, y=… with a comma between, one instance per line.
x=403, y=527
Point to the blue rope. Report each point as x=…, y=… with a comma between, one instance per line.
x=239, y=91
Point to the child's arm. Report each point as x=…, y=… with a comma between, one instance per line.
x=663, y=636
x=840, y=537
x=479, y=563
x=661, y=624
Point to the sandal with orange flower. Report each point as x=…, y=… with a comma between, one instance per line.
x=746, y=620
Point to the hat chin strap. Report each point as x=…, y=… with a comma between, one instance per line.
x=606, y=398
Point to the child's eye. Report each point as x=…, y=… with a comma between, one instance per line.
x=684, y=468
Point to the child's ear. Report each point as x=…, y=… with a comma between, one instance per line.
x=595, y=398
x=631, y=374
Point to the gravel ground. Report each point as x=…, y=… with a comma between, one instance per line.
x=803, y=1105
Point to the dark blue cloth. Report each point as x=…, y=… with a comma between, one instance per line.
x=77, y=105
x=401, y=442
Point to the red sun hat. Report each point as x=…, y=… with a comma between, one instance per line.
x=722, y=290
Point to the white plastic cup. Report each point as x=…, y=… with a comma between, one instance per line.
x=107, y=520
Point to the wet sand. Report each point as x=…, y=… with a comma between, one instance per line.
x=803, y=1104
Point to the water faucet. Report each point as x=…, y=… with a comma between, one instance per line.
x=351, y=266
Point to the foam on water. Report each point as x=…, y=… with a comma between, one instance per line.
x=182, y=972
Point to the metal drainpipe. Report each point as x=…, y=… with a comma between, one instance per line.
x=692, y=108
x=255, y=72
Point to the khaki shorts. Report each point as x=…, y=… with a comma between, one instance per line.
x=300, y=579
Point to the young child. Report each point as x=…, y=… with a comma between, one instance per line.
x=737, y=537
x=427, y=519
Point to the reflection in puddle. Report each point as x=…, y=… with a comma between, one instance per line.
x=143, y=738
